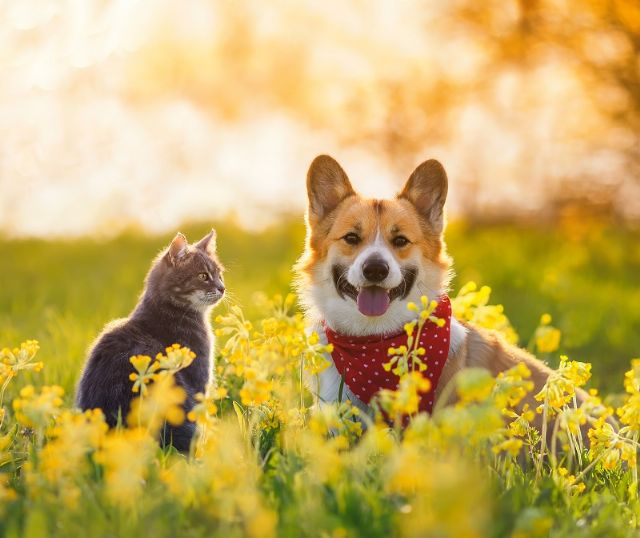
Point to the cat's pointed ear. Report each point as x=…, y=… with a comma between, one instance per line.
x=208, y=242
x=177, y=248
x=426, y=189
x=327, y=186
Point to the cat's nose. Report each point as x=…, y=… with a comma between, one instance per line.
x=220, y=288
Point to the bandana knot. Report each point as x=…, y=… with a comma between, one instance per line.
x=359, y=359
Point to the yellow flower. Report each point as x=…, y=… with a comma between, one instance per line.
x=512, y=385
x=63, y=459
x=12, y=361
x=205, y=409
x=124, y=474
x=611, y=446
x=7, y=494
x=632, y=377
x=472, y=305
x=325, y=458
x=474, y=385
x=567, y=481
x=629, y=412
x=521, y=423
x=5, y=443
x=560, y=387
x=409, y=327
x=602, y=435
x=145, y=372
x=33, y=409
x=175, y=358
x=404, y=473
x=161, y=403
x=218, y=393
x=571, y=419
x=512, y=446
x=429, y=473
x=296, y=417
x=577, y=372
x=256, y=390
x=405, y=400
x=313, y=354
x=338, y=419
x=547, y=339
x=611, y=459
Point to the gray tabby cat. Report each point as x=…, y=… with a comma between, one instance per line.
x=184, y=282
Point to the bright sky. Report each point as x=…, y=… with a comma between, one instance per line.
x=154, y=112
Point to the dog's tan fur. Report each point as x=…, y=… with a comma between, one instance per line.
x=391, y=216
x=335, y=210
x=486, y=349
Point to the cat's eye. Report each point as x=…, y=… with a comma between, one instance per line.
x=400, y=241
x=352, y=238
x=203, y=276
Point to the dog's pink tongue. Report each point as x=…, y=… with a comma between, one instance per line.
x=373, y=301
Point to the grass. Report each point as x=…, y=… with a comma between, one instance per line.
x=268, y=463
x=62, y=292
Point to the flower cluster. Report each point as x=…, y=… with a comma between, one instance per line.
x=161, y=403
x=267, y=450
x=472, y=305
x=17, y=359
x=35, y=409
x=546, y=338
x=270, y=364
x=407, y=358
x=174, y=359
x=560, y=387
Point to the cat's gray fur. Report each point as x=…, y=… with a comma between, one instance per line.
x=174, y=308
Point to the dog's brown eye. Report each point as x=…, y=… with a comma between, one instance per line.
x=203, y=276
x=351, y=238
x=400, y=241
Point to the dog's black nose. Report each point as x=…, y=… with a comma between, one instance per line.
x=375, y=270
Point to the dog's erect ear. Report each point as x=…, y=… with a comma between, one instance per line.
x=327, y=186
x=178, y=248
x=426, y=189
x=208, y=242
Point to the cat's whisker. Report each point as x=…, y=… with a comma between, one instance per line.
x=230, y=297
x=228, y=302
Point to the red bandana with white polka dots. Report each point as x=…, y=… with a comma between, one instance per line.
x=359, y=359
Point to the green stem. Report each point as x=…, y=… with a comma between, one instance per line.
x=543, y=440
x=592, y=464
x=634, y=470
x=4, y=387
x=554, y=437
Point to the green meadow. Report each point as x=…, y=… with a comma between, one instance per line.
x=586, y=276
x=266, y=462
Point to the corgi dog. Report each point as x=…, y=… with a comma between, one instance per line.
x=365, y=260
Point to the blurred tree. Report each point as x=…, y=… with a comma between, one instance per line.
x=538, y=97
x=599, y=39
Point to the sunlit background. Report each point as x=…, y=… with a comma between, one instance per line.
x=147, y=114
